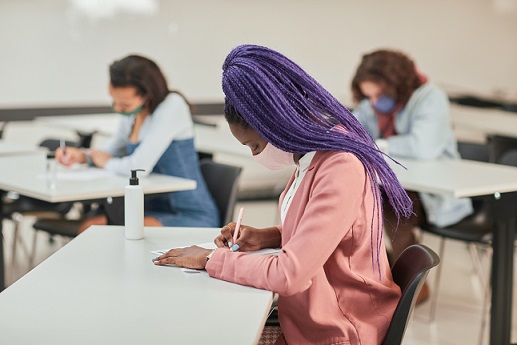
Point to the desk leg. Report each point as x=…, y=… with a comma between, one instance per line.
x=502, y=269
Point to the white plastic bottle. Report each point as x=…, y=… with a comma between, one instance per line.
x=134, y=208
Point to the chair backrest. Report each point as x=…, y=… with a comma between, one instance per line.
x=409, y=273
x=222, y=181
x=474, y=151
x=509, y=158
x=85, y=140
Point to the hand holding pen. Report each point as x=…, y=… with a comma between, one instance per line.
x=68, y=155
x=235, y=246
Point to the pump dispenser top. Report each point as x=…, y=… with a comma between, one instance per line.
x=133, y=181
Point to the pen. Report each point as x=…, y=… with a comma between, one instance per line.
x=62, y=145
x=237, y=227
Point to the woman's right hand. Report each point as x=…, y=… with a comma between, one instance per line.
x=70, y=156
x=249, y=238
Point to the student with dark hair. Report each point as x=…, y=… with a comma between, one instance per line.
x=155, y=134
x=408, y=117
x=332, y=275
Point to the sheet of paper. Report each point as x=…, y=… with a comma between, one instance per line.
x=77, y=173
x=211, y=245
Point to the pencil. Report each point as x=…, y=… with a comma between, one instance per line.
x=238, y=225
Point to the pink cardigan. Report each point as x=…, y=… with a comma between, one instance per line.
x=330, y=292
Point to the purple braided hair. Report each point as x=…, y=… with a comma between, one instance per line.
x=287, y=107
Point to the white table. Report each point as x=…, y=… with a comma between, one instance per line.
x=103, y=124
x=215, y=139
x=464, y=178
x=11, y=149
x=103, y=289
x=26, y=175
x=458, y=178
x=484, y=121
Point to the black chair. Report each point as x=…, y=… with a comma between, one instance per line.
x=499, y=145
x=409, y=273
x=475, y=229
x=509, y=158
x=223, y=182
x=16, y=207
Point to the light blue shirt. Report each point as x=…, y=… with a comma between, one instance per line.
x=423, y=133
x=171, y=120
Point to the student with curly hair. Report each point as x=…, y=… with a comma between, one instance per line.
x=408, y=117
x=332, y=275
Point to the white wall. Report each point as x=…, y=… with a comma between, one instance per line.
x=52, y=54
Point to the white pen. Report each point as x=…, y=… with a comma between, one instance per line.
x=62, y=145
x=235, y=246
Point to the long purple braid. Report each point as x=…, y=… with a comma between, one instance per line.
x=292, y=111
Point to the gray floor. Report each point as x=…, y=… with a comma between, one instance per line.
x=460, y=296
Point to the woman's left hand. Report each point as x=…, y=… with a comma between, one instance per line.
x=190, y=257
x=99, y=158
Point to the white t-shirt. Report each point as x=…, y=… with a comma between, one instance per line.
x=301, y=169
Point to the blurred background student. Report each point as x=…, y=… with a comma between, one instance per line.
x=409, y=118
x=155, y=133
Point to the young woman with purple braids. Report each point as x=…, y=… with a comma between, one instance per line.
x=332, y=275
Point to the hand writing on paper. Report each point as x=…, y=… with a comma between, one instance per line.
x=249, y=239
x=189, y=257
x=73, y=155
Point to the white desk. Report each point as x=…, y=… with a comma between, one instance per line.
x=26, y=176
x=8, y=149
x=209, y=138
x=216, y=140
x=458, y=178
x=484, y=121
x=103, y=124
x=467, y=179
x=103, y=289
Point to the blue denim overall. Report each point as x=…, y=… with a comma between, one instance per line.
x=191, y=208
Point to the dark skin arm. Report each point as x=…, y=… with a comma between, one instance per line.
x=249, y=239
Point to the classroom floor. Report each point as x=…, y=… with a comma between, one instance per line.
x=459, y=309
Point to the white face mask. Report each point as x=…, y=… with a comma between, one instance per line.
x=274, y=159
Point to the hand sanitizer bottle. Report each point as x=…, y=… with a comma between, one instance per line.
x=134, y=208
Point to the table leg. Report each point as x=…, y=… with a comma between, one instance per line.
x=502, y=268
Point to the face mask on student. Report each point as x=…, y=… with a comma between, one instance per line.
x=384, y=104
x=129, y=113
x=274, y=159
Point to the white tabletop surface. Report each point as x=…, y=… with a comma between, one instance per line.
x=216, y=140
x=104, y=124
x=459, y=178
x=103, y=289
x=7, y=148
x=209, y=138
x=27, y=175
x=486, y=121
